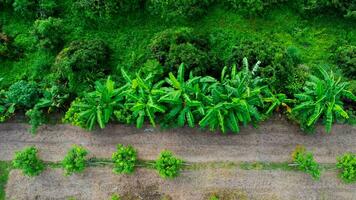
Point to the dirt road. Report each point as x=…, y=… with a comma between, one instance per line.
x=273, y=142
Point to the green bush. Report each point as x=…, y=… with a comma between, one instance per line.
x=95, y=107
x=23, y=94
x=8, y=47
x=80, y=64
x=30, y=8
x=75, y=161
x=124, y=159
x=49, y=32
x=345, y=58
x=167, y=165
x=173, y=47
x=347, y=166
x=28, y=161
x=36, y=119
x=305, y=162
x=322, y=98
x=179, y=9
x=250, y=7
x=346, y=8
x=279, y=65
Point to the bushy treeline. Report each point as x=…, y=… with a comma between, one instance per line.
x=169, y=9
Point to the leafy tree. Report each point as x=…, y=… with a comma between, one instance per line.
x=322, y=97
x=347, y=165
x=28, y=161
x=124, y=159
x=75, y=161
x=83, y=62
x=39, y=8
x=167, y=165
x=49, y=32
x=305, y=162
x=345, y=58
x=23, y=94
x=141, y=97
x=95, y=107
x=183, y=98
x=179, y=9
x=232, y=100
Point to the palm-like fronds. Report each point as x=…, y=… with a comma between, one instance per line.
x=322, y=99
x=232, y=100
x=183, y=98
x=98, y=106
x=141, y=97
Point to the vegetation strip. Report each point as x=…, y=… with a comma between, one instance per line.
x=5, y=168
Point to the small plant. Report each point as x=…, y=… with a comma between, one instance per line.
x=28, y=161
x=124, y=159
x=74, y=161
x=347, y=165
x=115, y=197
x=214, y=197
x=305, y=162
x=167, y=165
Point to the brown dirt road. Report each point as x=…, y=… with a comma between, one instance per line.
x=273, y=141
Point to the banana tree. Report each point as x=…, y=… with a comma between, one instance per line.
x=98, y=106
x=273, y=102
x=141, y=97
x=231, y=101
x=183, y=98
x=322, y=98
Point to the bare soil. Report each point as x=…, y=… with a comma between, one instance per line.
x=272, y=142
x=235, y=184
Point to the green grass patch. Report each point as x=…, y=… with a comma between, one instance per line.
x=5, y=168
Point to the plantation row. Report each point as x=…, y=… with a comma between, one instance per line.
x=124, y=161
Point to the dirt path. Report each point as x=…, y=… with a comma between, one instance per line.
x=272, y=142
x=101, y=183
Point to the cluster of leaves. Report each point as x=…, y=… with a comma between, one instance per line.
x=346, y=8
x=279, y=65
x=179, y=9
x=250, y=7
x=305, y=162
x=168, y=165
x=94, y=107
x=49, y=33
x=347, y=165
x=345, y=59
x=322, y=97
x=81, y=63
x=75, y=161
x=175, y=46
x=39, y=8
x=28, y=161
x=7, y=48
x=124, y=159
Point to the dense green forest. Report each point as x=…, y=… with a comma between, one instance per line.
x=217, y=64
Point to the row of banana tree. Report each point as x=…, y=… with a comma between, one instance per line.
x=238, y=98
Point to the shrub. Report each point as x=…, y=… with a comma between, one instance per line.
x=78, y=66
x=173, y=47
x=322, y=97
x=36, y=119
x=305, y=162
x=28, y=161
x=115, y=197
x=345, y=58
x=124, y=159
x=347, y=166
x=346, y=8
x=75, y=161
x=250, y=7
x=49, y=32
x=179, y=9
x=23, y=94
x=8, y=49
x=167, y=165
x=95, y=107
x=279, y=65
x=231, y=100
x=30, y=8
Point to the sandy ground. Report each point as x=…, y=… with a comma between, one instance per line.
x=100, y=184
x=273, y=142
